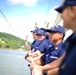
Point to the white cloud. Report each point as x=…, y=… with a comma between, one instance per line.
x=24, y=2
x=40, y=19
x=22, y=26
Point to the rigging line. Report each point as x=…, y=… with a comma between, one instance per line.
x=51, y=4
x=7, y=21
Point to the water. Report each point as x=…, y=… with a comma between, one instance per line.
x=13, y=63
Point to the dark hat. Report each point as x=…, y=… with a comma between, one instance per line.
x=35, y=30
x=65, y=4
x=57, y=28
x=43, y=29
x=41, y=32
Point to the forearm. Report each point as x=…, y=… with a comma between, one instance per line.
x=35, y=63
x=53, y=71
x=48, y=66
x=53, y=64
x=27, y=45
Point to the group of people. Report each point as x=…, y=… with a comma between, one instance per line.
x=48, y=55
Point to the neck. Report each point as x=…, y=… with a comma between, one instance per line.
x=73, y=26
x=57, y=42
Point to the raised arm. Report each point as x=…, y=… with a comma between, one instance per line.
x=26, y=43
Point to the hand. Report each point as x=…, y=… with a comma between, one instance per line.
x=26, y=56
x=28, y=59
x=33, y=65
x=37, y=71
x=39, y=68
x=26, y=37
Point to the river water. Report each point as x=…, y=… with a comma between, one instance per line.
x=12, y=62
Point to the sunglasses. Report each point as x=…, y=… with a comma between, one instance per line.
x=53, y=32
x=38, y=34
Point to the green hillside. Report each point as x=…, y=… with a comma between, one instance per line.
x=12, y=42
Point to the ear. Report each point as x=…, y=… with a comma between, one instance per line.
x=74, y=12
x=61, y=35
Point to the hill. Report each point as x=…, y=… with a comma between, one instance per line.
x=12, y=42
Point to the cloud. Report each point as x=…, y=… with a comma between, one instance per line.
x=24, y=2
x=21, y=26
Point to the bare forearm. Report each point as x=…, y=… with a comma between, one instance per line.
x=27, y=45
x=53, y=71
x=53, y=64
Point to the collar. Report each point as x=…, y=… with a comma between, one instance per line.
x=59, y=46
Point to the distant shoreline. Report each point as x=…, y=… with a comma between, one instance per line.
x=12, y=49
